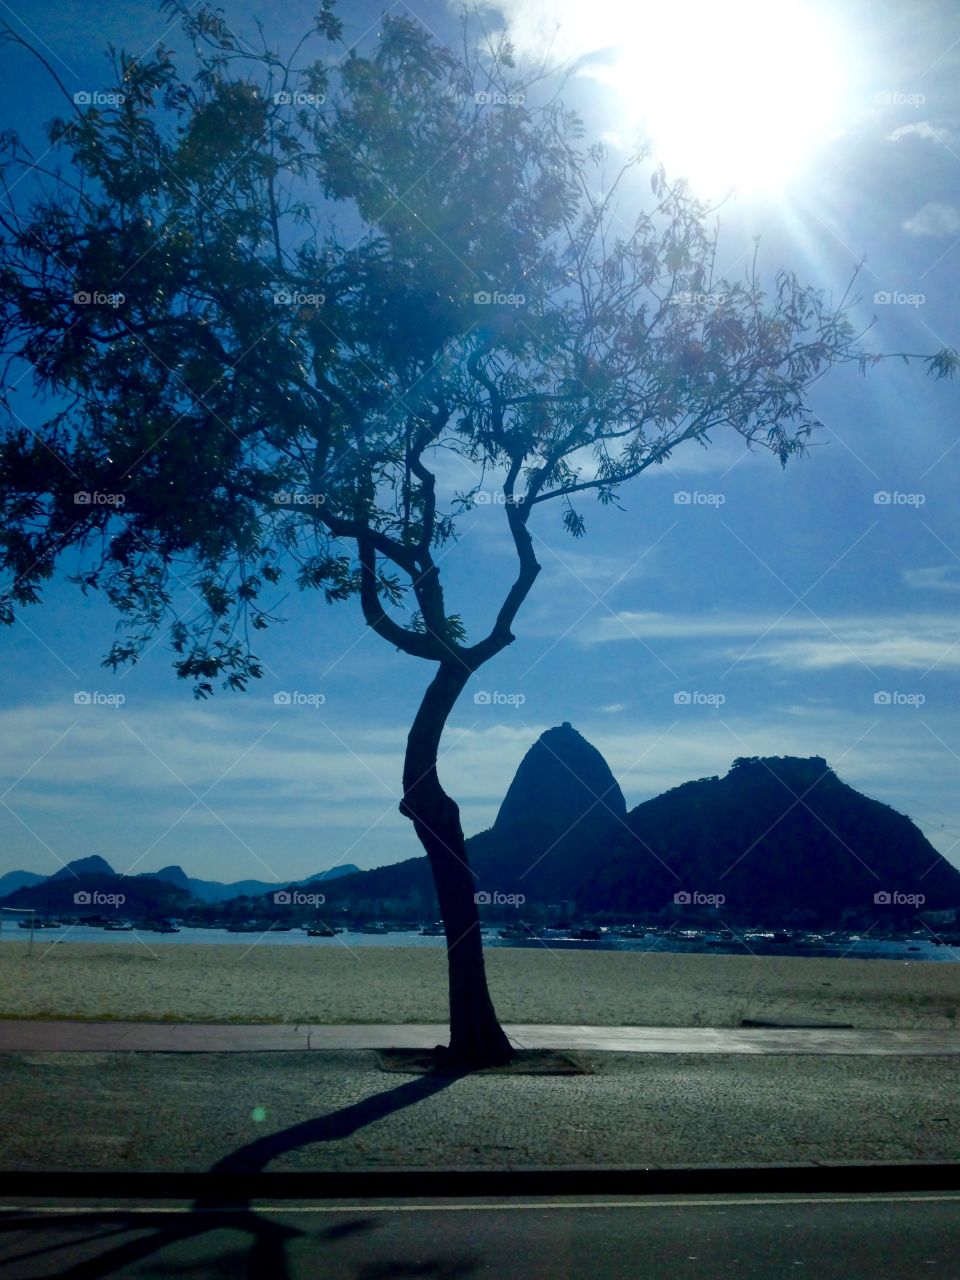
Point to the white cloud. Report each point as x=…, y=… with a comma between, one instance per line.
x=935, y=220
x=939, y=577
x=925, y=130
x=799, y=642
x=562, y=29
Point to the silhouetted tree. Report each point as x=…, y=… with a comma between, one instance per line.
x=260, y=303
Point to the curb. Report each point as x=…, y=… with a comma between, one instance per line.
x=221, y=1191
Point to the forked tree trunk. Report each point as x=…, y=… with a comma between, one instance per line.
x=476, y=1037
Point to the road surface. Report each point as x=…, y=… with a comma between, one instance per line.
x=737, y=1237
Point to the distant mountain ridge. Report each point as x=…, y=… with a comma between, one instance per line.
x=146, y=891
x=777, y=839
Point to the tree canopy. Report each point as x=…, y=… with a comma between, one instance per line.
x=257, y=303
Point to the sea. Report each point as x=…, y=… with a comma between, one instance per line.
x=864, y=948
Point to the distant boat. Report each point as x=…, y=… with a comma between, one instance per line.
x=519, y=931
x=432, y=930
x=586, y=935
x=372, y=928
x=322, y=932
x=118, y=926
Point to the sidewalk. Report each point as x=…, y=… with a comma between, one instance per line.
x=88, y=1037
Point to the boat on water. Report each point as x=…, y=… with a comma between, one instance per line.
x=321, y=931
x=378, y=928
x=586, y=934
x=160, y=926
x=118, y=926
x=519, y=931
x=432, y=930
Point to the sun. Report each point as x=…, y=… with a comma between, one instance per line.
x=732, y=96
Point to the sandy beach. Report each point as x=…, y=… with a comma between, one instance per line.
x=302, y=984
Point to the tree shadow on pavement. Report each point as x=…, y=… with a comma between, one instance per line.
x=267, y=1251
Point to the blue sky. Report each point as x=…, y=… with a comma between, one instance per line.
x=782, y=602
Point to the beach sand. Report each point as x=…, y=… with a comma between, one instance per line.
x=294, y=984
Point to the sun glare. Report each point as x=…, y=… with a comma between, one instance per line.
x=737, y=95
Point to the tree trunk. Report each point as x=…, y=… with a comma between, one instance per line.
x=476, y=1037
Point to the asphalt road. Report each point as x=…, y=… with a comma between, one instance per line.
x=869, y=1237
